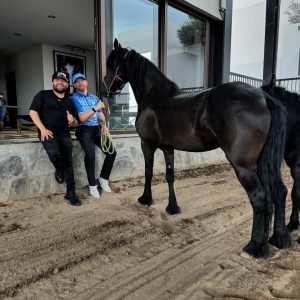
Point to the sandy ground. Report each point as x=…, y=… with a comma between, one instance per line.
x=113, y=248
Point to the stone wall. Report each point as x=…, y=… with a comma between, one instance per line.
x=25, y=170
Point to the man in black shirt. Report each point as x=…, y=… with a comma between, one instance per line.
x=52, y=112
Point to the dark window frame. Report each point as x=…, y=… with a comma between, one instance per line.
x=103, y=17
x=299, y=64
x=186, y=9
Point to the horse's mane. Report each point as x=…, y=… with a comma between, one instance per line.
x=283, y=93
x=287, y=95
x=142, y=66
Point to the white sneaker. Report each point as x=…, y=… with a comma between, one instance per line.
x=104, y=185
x=94, y=191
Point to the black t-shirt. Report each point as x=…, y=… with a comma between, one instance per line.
x=52, y=111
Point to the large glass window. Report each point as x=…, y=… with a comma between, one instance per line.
x=185, y=52
x=247, y=38
x=135, y=25
x=288, y=56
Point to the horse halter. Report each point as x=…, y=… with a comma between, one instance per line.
x=116, y=77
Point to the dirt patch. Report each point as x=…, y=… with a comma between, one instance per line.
x=114, y=248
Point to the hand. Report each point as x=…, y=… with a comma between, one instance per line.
x=103, y=128
x=70, y=118
x=99, y=105
x=46, y=134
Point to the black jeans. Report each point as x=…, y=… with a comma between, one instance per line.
x=89, y=136
x=59, y=150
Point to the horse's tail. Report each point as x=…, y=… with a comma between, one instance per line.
x=269, y=161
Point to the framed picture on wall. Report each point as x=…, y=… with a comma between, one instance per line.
x=70, y=64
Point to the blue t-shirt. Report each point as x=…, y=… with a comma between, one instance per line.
x=85, y=103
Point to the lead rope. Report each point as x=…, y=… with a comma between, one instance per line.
x=106, y=142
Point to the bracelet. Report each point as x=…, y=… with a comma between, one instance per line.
x=93, y=109
x=73, y=122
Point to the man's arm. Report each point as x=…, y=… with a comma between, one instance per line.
x=71, y=120
x=103, y=121
x=45, y=133
x=84, y=116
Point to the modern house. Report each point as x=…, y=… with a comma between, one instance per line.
x=189, y=40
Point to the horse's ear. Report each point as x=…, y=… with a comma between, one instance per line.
x=117, y=45
x=272, y=82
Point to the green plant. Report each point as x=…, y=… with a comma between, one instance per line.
x=191, y=31
x=293, y=12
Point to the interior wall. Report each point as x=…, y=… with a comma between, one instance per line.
x=48, y=63
x=28, y=68
x=33, y=69
x=2, y=77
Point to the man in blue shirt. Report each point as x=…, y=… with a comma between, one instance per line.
x=91, y=124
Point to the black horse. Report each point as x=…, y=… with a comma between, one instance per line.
x=291, y=102
x=244, y=121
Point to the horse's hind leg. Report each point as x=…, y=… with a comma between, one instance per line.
x=258, y=245
x=280, y=238
x=172, y=207
x=294, y=219
x=148, y=151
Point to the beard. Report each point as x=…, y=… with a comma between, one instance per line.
x=59, y=90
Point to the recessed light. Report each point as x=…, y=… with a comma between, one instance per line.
x=18, y=34
x=51, y=17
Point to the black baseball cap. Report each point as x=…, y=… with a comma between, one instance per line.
x=60, y=75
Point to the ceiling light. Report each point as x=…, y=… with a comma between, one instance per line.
x=18, y=34
x=51, y=17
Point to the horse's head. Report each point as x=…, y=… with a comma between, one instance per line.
x=116, y=75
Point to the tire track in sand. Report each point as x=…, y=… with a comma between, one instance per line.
x=146, y=278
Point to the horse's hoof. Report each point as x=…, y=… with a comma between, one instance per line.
x=292, y=226
x=172, y=210
x=145, y=200
x=281, y=240
x=257, y=251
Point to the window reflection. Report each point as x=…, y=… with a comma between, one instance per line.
x=186, y=41
x=135, y=25
x=248, y=39
x=288, y=56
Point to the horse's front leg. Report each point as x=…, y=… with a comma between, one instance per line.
x=294, y=219
x=148, y=151
x=172, y=207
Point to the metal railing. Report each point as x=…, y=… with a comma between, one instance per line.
x=122, y=98
x=193, y=89
x=123, y=118
x=291, y=84
x=247, y=79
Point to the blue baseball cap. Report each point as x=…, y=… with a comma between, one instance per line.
x=78, y=75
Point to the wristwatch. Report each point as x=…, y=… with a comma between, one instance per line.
x=93, y=109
